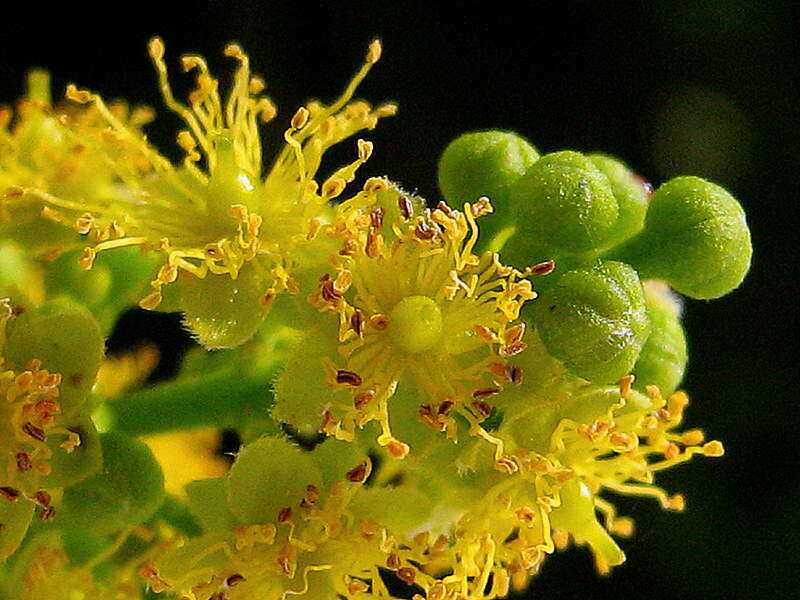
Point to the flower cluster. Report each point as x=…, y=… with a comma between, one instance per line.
x=408, y=398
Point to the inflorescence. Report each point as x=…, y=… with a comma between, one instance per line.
x=432, y=396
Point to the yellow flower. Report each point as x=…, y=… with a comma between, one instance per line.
x=217, y=211
x=416, y=307
x=29, y=414
x=45, y=171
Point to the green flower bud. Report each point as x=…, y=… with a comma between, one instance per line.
x=695, y=237
x=566, y=203
x=631, y=193
x=663, y=358
x=485, y=163
x=595, y=321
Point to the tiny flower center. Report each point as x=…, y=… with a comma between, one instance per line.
x=415, y=323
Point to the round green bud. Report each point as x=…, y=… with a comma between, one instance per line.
x=662, y=361
x=565, y=203
x=269, y=475
x=632, y=196
x=695, y=237
x=128, y=490
x=415, y=324
x=595, y=321
x=484, y=163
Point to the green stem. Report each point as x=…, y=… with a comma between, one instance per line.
x=227, y=397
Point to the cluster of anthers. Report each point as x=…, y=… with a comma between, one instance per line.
x=315, y=545
x=29, y=410
x=417, y=307
x=216, y=212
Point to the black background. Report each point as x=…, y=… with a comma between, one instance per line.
x=707, y=88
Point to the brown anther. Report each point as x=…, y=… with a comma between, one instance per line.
x=482, y=409
x=333, y=187
x=506, y=464
x=427, y=417
x=485, y=393
x=481, y=206
x=437, y=592
x=300, y=118
x=442, y=206
x=397, y=449
x=35, y=432
x=445, y=407
x=376, y=217
x=375, y=185
x=9, y=493
x=373, y=245
x=406, y=208
x=625, y=385
x=486, y=334
x=363, y=399
x=234, y=580
x=285, y=564
x=284, y=514
x=83, y=224
x=357, y=475
x=42, y=498
x=512, y=349
x=47, y=513
x=357, y=322
x=328, y=292
x=424, y=231
x=312, y=495
x=267, y=297
x=393, y=561
x=379, y=322
x=76, y=379
x=16, y=311
x=543, y=268
x=515, y=375
x=329, y=423
x=86, y=259
x=407, y=575
x=348, y=378
x=514, y=334
x=23, y=462
x=13, y=191
x=526, y=515
x=356, y=586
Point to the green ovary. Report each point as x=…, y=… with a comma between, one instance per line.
x=415, y=324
